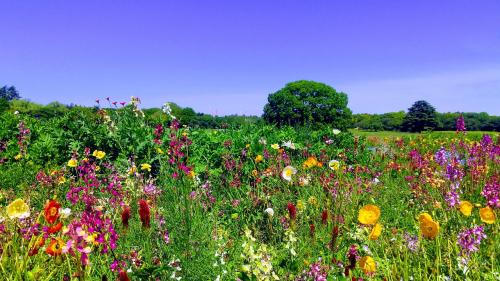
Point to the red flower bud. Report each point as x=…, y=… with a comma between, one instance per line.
x=144, y=213
x=125, y=216
x=292, y=211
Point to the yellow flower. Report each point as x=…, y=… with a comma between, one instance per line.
x=368, y=265
x=376, y=231
x=288, y=172
x=191, y=174
x=18, y=156
x=487, y=215
x=334, y=165
x=369, y=214
x=99, y=154
x=428, y=226
x=312, y=200
x=466, y=208
x=132, y=170
x=259, y=158
x=300, y=205
x=424, y=217
x=255, y=173
x=146, y=167
x=159, y=150
x=275, y=146
x=310, y=162
x=72, y=163
x=18, y=209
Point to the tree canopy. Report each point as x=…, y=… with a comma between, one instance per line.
x=308, y=103
x=421, y=116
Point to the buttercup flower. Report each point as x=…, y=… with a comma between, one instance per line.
x=146, y=167
x=487, y=215
x=288, y=172
x=334, y=165
x=466, y=208
x=72, y=163
x=99, y=154
x=369, y=214
x=259, y=158
x=18, y=209
x=368, y=265
x=376, y=231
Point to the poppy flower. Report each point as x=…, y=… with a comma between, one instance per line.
x=51, y=211
x=55, y=228
x=487, y=215
x=55, y=247
x=287, y=173
x=376, y=231
x=72, y=163
x=99, y=154
x=18, y=209
x=368, y=265
x=334, y=165
x=466, y=208
x=429, y=227
x=369, y=214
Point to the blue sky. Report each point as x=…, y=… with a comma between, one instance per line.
x=224, y=57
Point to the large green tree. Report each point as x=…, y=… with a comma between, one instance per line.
x=421, y=116
x=308, y=103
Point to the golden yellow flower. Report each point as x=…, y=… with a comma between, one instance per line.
x=424, y=217
x=487, y=215
x=466, y=208
x=312, y=200
x=18, y=209
x=429, y=229
x=72, y=163
x=275, y=146
x=369, y=214
x=146, y=167
x=368, y=265
x=310, y=162
x=18, y=156
x=191, y=174
x=132, y=170
x=300, y=205
x=159, y=150
x=376, y=231
x=259, y=158
x=334, y=165
x=99, y=154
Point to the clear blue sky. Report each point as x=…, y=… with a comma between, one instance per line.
x=226, y=56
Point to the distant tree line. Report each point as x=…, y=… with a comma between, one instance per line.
x=393, y=121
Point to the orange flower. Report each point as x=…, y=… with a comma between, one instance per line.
x=376, y=231
x=310, y=162
x=55, y=247
x=368, y=265
x=55, y=228
x=428, y=227
x=52, y=211
x=369, y=214
x=487, y=215
x=466, y=208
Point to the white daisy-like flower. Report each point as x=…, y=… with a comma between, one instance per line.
x=336, y=131
x=288, y=172
x=269, y=211
x=334, y=165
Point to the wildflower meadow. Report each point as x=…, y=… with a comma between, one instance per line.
x=107, y=194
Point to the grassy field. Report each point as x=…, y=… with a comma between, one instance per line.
x=109, y=196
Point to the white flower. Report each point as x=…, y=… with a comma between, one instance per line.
x=288, y=172
x=334, y=165
x=336, y=131
x=16, y=112
x=376, y=180
x=66, y=212
x=289, y=144
x=269, y=211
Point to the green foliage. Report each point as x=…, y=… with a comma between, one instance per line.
x=304, y=103
x=421, y=116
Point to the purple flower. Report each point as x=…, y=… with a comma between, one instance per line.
x=460, y=124
x=412, y=242
x=470, y=239
x=491, y=192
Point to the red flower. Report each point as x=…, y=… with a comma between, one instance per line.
x=55, y=247
x=55, y=228
x=144, y=213
x=292, y=210
x=312, y=229
x=324, y=217
x=122, y=276
x=51, y=211
x=125, y=216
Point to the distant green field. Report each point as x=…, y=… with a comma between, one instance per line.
x=437, y=134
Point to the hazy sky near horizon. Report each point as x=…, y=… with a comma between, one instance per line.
x=225, y=57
